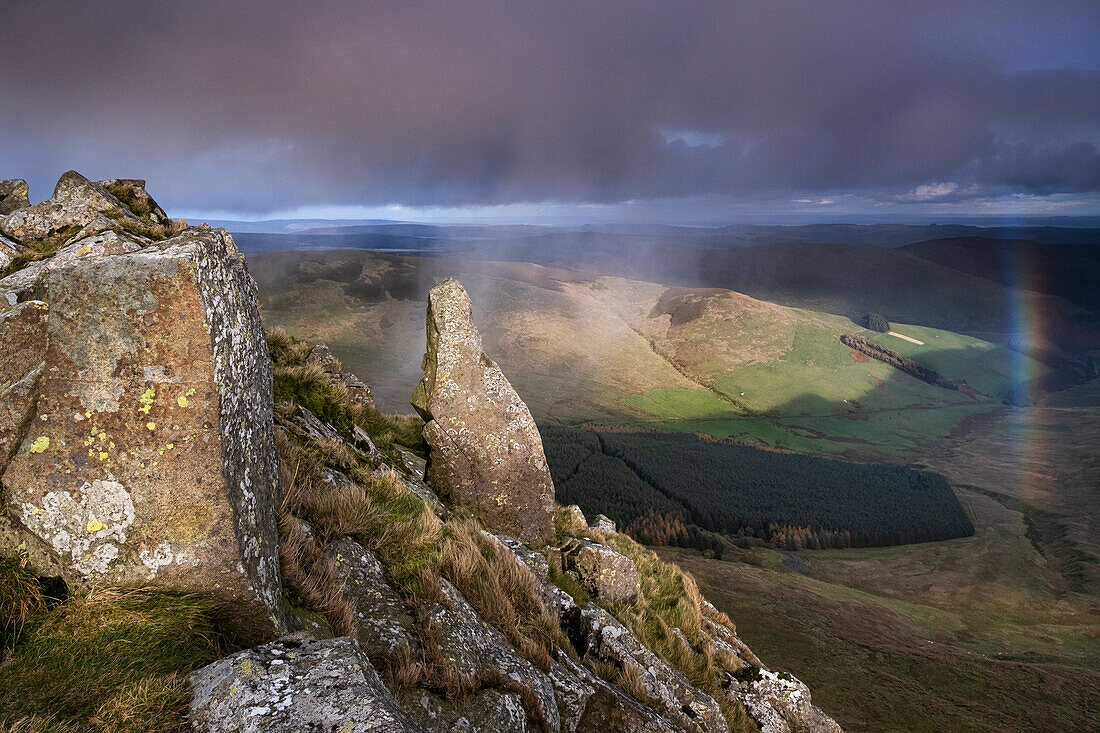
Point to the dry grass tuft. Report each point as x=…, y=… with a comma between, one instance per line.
x=500, y=588
x=403, y=671
x=21, y=597
x=110, y=661
x=629, y=679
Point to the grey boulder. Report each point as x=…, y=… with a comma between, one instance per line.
x=295, y=684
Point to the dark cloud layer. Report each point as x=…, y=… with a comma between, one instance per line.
x=259, y=105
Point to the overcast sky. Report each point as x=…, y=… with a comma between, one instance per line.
x=640, y=109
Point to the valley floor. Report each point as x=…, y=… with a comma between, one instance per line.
x=996, y=632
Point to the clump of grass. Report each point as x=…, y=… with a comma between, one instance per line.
x=21, y=597
x=110, y=661
x=378, y=510
x=155, y=232
x=500, y=589
x=308, y=385
x=569, y=584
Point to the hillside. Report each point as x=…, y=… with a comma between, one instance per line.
x=1067, y=271
x=210, y=527
x=593, y=349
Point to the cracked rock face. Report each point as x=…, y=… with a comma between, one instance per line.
x=486, y=453
x=144, y=454
x=474, y=648
x=295, y=684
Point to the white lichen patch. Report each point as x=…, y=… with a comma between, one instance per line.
x=158, y=558
x=87, y=527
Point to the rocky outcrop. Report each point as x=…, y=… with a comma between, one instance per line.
x=478, y=651
x=601, y=571
x=76, y=202
x=780, y=703
x=9, y=250
x=486, y=453
x=669, y=692
x=603, y=523
x=381, y=619
x=574, y=518
x=13, y=195
x=487, y=711
x=295, y=684
x=145, y=456
x=30, y=282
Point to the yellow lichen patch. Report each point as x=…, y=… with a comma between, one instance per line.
x=184, y=399
x=170, y=446
x=94, y=525
x=147, y=400
x=83, y=251
x=151, y=425
x=103, y=455
x=250, y=670
x=40, y=444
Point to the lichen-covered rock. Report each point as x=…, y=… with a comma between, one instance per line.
x=589, y=704
x=763, y=714
x=575, y=518
x=486, y=453
x=603, y=523
x=358, y=391
x=381, y=619
x=150, y=458
x=610, y=709
x=603, y=572
x=789, y=698
x=535, y=561
x=573, y=686
x=13, y=195
x=295, y=684
x=487, y=711
x=475, y=649
x=131, y=191
x=30, y=282
x=670, y=693
x=76, y=201
x=23, y=335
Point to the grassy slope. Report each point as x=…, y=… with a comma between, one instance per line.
x=615, y=351
x=959, y=635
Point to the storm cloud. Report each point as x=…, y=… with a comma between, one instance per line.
x=255, y=106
